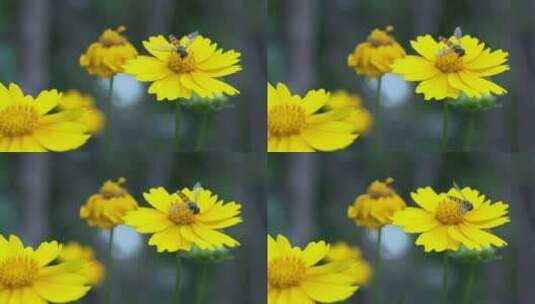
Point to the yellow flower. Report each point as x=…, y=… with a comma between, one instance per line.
x=92, y=269
x=358, y=116
x=107, y=208
x=26, y=276
x=26, y=124
x=106, y=57
x=295, y=125
x=296, y=275
x=182, y=67
x=185, y=218
x=360, y=270
x=92, y=118
x=447, y=69
x=375, y=56
x=448, y=220
x=375, y=208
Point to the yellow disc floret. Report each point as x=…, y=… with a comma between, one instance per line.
x=18, y=271
x=18, y=120
x=286, y=120
x=286, y=272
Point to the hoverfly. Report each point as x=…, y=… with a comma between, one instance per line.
x=177, y=46
x=465, y=204
x=192, y=204
x=456, y=47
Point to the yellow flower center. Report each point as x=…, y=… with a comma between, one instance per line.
x=180, y=64
x=17, y=272
x=379, y=37
x=379, y=189
x=181, y=214
x=18, y=120
x=286, y=272
x=286, y=120
x=450, y=212
x=112, y=189
x=448, y=61
x=113, y=37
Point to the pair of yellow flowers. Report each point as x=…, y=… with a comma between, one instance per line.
x=445, y=68
x=52, y=273
x=445, y=221
x=177, y=69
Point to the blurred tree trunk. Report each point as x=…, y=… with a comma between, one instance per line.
x=33, y=173
x=33, y=42
x=250, y=37
x=428, y=22
x=521, y=37
x=301, y=21
x=303, y=200
x=161, y=14
x=33, y=189
x=301, y=18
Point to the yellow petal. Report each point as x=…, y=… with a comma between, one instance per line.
x=315, y=252
x=415, y=220
x=456, y=82
x=202, y=48
x=216, y=86
x=146, y=68
x=426, y=46
x=159, y=47
x=47, y=100
x=480, y=236
x=456, y=234
x=47, y=252
x=160, y=199
x=426, y=198
x=327, y=292
x=169, y=88
x=59, y=293
x=415, y=68
x=437, y=88
x=472, y=47
x=170, y=240
x=147, y=220
x=329, y=136
x=490, y=71
x=61, y=136
x=438, y=240
x=314, y=100
x=487, y=59
x=214, y=237
x=481, y=85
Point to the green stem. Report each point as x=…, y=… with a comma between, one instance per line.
x=109, y=110
x=378, y=112
x=177, y=282
x=377, y=266
x=445, y=279
x=107, y=293
x=205, y=120
x=201, y=283
x=177, y=127
x=469, y=132
x=469, y=287
x=445, y=128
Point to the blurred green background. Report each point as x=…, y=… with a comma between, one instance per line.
x=40, y=198
x=309, y=196
x=41, y=42
x=309, y=41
